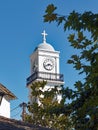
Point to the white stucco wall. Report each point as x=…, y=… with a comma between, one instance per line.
x=43, y=55
x=5, y=108
x=33, y=61
x=39, y=56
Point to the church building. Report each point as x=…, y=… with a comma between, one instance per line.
x=45, y=66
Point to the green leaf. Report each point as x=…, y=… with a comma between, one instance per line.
x=50, y=9
x=75, y=57
x=78, y=85
x=70, y=62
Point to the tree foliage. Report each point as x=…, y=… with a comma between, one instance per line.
x=45, y=110
x=84, y=105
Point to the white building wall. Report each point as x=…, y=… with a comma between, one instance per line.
x=34, y=61
x=39, y=56
x=42, y=55
x=5, y=108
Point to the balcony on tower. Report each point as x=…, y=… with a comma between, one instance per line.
x=50, y=77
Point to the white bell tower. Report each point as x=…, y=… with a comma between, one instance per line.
x=45, y=65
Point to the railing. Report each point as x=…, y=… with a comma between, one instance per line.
x=45, y=76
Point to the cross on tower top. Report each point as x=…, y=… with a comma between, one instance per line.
x=44, y=36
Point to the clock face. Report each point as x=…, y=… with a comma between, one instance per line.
x=48, y=64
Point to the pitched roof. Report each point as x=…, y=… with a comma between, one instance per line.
x=7, y=92
x=12, y=124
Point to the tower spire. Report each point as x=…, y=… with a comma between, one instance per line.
x=44, y=36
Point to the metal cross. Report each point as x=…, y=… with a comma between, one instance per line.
x=44, y=36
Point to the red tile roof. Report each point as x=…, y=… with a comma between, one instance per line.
x=7, y=92
x=12, y=124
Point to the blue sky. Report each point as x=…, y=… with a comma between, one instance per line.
x=21, y=25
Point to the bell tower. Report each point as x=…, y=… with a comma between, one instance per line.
x=45, y=65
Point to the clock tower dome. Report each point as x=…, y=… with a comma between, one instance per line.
x=45, y=65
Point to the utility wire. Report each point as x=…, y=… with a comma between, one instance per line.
x=16, y=114
x=23, y=105
x=14, y=108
